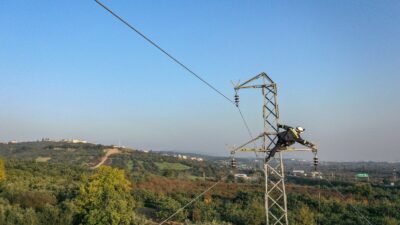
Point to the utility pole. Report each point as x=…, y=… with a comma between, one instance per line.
x=275, y=193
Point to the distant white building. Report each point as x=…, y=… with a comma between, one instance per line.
x=182, y=156
x=196, y=159
x=75, y=141
x=299, y=173
x=316, y=174
x=241, y=175
x=179, y=156
x=118, y=146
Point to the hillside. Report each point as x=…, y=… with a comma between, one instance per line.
x=88, y=155
x=54, y=152
x=45, y=182
x=168, y=164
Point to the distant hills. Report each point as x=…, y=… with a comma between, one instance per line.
x=56, y=152
x=135, y=162
x=174, y=164
x=44, y=180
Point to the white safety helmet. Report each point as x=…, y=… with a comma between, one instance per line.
x=300, y=129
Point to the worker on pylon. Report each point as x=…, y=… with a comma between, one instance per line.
x=289, y=137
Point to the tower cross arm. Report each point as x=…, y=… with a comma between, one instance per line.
x=239, y=86
x=250, y=150
x=254, y=86
x=298, y=149
x=252, y=140
x=243, y=145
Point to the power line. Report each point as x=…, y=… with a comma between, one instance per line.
x=177, y=61
x=245, y=123
x=195, y=75
x=214, y=89
x=164, y=51
x=343, y=197
x=193, y=200
x=215, y=184
x=247, y=128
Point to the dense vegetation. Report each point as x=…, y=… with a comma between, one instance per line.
x=55, y=152
x=145, y=188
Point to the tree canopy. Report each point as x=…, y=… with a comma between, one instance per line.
x=104, y=197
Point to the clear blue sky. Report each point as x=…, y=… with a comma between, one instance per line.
x=68, y=69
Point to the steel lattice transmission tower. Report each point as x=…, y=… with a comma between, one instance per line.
x=275, y=192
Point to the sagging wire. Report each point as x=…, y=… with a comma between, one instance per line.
x=354, y=208
x=316, y=162
x=236, y=98
x=195, y=75
x=176, y=61
x=233, y=168
x=192, y=201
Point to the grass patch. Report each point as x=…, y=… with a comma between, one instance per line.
x=194, y=178
x=171, y=166
x=42, y=159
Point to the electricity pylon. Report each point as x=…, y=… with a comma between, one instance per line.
x=275, y=192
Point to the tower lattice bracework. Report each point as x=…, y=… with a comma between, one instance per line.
x=275, y=192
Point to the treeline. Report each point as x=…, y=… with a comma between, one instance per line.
x=47, y=193
x=138, y=164
x=55, y=152
x=41, y=193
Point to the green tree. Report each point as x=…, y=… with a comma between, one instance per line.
x=104, y=198
x=204, y=212
x=389, y=221
x=304, y=216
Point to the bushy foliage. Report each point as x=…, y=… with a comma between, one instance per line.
x=2, y=171
x=303, y=216
x=137, y=191
x=42, y=193
x=104, y=198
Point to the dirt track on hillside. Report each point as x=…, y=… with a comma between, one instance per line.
x=110, y=152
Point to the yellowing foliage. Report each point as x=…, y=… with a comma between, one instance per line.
x=2, y=170
x=104, y=197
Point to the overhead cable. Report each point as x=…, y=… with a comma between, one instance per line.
x=195, y=75
x=343, y=197
x=193, y=200
x=175, y=60
x=163, y=51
